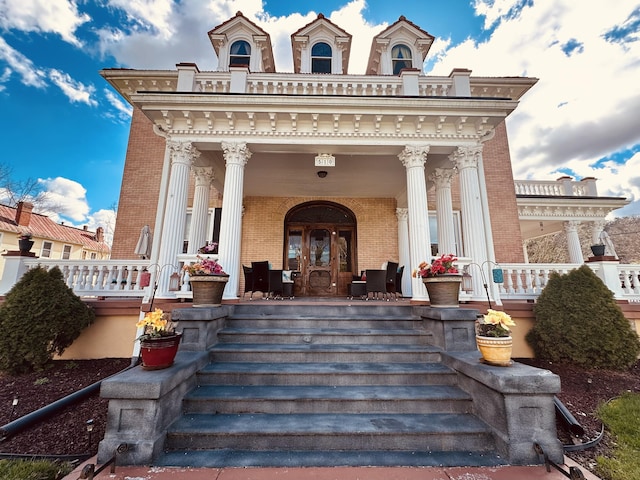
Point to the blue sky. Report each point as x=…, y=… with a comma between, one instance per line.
x=62, y=124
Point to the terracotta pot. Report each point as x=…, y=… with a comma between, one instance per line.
x=207, y=289
x=158, y=353
x=495, y=350
x=443, y=290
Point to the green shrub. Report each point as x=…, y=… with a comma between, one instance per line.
x=39, y=318
x=34, y=470
x=579, y=322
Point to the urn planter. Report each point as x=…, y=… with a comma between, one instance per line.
x=443, y=290
x=207, y=289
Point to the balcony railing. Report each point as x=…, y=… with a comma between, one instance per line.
x=121, y=278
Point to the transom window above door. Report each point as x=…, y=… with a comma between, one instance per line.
x=321, y=55
x=401, y=57
x=240, y=53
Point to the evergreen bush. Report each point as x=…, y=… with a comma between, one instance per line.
x=39, y=318
x=578, y=321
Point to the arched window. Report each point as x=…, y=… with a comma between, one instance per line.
x=321, y=58
x=401, y=58
x=240, y=53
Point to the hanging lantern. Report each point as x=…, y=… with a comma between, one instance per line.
x=174, y=282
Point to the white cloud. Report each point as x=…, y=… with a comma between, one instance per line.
x=76, y=91
x=66, y=198
x=20, y=64
x=122, y=107
x=48, y=16
x=584, y=106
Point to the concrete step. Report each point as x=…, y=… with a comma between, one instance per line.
x=332, y=374
x=391, y=432
x=323, y=458
x=287, y=399
x=356, y=309
x=282, y=320
x=327, y=335
x=314, y=353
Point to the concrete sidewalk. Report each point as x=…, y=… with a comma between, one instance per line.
x=538, y=472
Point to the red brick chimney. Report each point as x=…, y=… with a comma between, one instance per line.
x=23, y=214
x=99, y=234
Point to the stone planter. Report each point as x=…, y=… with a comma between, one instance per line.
x=495, y=350
x=207, y=289
x=443, y=290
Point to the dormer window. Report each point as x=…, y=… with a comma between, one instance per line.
x=321, y=58
x=401, y=58
x=240, y=53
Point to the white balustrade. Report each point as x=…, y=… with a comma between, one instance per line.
x=121, y=278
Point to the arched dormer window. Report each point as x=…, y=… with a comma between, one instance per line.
x=240, y=53
x=401, y=58
x=321, y=58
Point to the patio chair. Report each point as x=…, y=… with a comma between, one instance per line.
x=275, y=284
x=248, y=281
x=399, y=274
x=390, y=280
x=260, y=272
x=376, y=283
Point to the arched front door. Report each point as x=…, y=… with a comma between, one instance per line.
x=320, y=240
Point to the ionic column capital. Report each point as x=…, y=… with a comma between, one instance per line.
x=442, y=177
x=414, y=155
x=236, y=153
x=467, y=156
x=571, y=226
x=182, y=152
x=402, y=214
x=204, y=176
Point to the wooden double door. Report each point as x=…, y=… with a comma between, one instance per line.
x=322, y=255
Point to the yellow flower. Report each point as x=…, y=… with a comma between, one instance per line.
x=495, y=317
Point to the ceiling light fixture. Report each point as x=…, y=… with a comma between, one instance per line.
x=322, y=173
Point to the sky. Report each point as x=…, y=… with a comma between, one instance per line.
x=64, y=126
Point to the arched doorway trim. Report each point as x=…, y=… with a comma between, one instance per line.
x=320, y=247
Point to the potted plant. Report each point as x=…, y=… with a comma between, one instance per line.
x=598, y=249
x=25, y=242
x=493, y=337
x=159, y=340
x=442, y=280
x=207, y=279
x=209, y=248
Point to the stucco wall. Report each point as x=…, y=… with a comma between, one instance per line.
x=113, y=333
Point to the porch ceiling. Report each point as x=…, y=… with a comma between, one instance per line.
x=373, y=171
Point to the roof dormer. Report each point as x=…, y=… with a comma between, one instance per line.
x=321, y=47
x=402, y=45
x=238, y=42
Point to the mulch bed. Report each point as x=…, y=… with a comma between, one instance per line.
x=66, y=432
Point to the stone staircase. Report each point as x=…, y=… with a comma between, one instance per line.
x=323, y=386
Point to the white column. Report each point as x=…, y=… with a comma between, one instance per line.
x=413, y=157
x=200, y=211
x=236, y=156
x=573, y=242
x=403, y=249
x=182, y=155
x=473, y=233
x=444, y=210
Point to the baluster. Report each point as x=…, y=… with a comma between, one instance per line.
x=526, y=287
